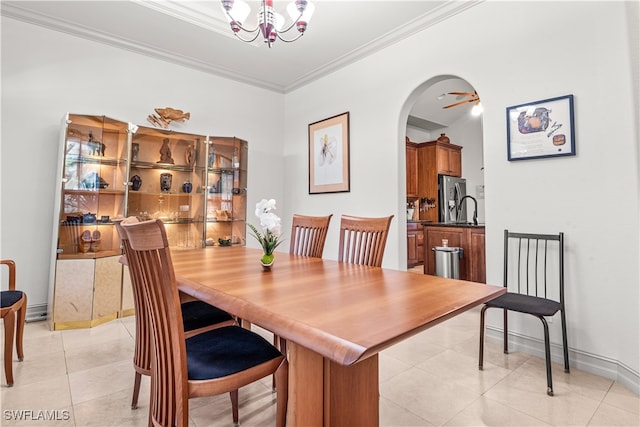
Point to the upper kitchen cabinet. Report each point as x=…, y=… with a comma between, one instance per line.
x=443, y=158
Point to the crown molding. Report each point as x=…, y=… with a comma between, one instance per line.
x=196, y=14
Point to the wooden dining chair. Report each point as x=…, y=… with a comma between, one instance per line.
x=534, y=277
x=214, y=362
x=198, y=317
x=308, y=234
x=362, y=240
x=13, y=312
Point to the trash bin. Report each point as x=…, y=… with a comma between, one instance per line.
x=448, y=261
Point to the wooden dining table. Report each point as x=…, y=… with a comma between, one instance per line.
x=336, y=318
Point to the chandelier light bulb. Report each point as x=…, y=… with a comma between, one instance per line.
x=271, y=25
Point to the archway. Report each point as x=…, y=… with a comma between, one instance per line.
x=424, y=119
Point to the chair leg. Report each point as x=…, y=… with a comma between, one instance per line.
x=505, y=337
x=565, y=344
x=9, y=320
x=234, y=405
x=282, y=396
x=136, y=390
x=547, y=355
x=22, y=314
x=481, y=355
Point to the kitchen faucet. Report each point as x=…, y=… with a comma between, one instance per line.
x=475, y=208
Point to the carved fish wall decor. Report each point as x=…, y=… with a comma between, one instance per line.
x=164, y=116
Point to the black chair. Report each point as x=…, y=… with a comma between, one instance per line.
x=530, y=261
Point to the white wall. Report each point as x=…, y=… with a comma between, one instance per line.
x=46, y=73
x=511, y=52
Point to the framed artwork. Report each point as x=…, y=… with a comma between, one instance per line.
x=541, y=129
x=329, y=155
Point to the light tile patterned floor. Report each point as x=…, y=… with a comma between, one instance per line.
x=85, y=378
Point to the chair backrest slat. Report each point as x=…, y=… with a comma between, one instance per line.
x=308, y=235
x=363, y=240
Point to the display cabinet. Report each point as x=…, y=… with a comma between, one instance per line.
x=87, y=285
x=109, y=169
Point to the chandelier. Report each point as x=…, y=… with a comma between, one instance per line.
x=270, y=23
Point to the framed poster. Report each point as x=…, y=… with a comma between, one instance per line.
x=329, y=155
x=541, y=129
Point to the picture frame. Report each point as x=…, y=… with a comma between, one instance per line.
x=541, y=129
x=329, y=155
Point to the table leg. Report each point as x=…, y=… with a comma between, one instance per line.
x=325, y=393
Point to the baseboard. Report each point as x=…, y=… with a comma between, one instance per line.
x=593, y=363
x=36, y=313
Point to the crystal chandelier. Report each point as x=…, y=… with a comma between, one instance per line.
x=270, y=24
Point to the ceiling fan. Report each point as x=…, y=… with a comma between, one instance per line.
x=472, y=98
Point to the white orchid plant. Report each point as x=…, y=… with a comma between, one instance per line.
x=269, y=239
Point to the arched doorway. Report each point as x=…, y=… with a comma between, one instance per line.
x=425, y=121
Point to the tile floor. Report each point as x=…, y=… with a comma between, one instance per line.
x=85, y=378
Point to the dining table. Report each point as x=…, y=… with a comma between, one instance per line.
x=335, y=316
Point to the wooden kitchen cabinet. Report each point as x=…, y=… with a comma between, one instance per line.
x=415, y=244
x=449, y=159
x=472, y=242
x=436, y=158
x=477, y=263
x=412, y=169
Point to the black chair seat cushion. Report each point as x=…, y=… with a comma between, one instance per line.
x=525, y=304
x=198, y=314
x=8, y=298
x=225, y=351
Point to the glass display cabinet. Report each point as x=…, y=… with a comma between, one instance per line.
x=110, y=169
x=93, y=169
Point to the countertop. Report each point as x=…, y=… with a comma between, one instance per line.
x=447, y=224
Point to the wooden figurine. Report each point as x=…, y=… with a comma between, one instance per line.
x=164, y=116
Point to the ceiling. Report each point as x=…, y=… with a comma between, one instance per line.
x=196, y=34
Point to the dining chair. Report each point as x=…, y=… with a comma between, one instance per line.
x=197, y=315
x=308, y=235
x=534, y=277
x=13, y=311
x=362, y=240
x=213, y=362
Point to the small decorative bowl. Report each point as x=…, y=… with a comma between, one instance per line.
x=224, y=242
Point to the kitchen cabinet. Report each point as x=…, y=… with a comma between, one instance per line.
x=415, y=240
x=470, y=239
x=110, y=169
x=449, y=159
x=436, y=158
x=412, y=170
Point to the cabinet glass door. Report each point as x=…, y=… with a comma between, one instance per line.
x=226, y=177
x=166, y=182
x=93, y=172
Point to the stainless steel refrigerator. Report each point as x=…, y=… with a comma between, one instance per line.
x=450, y=191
